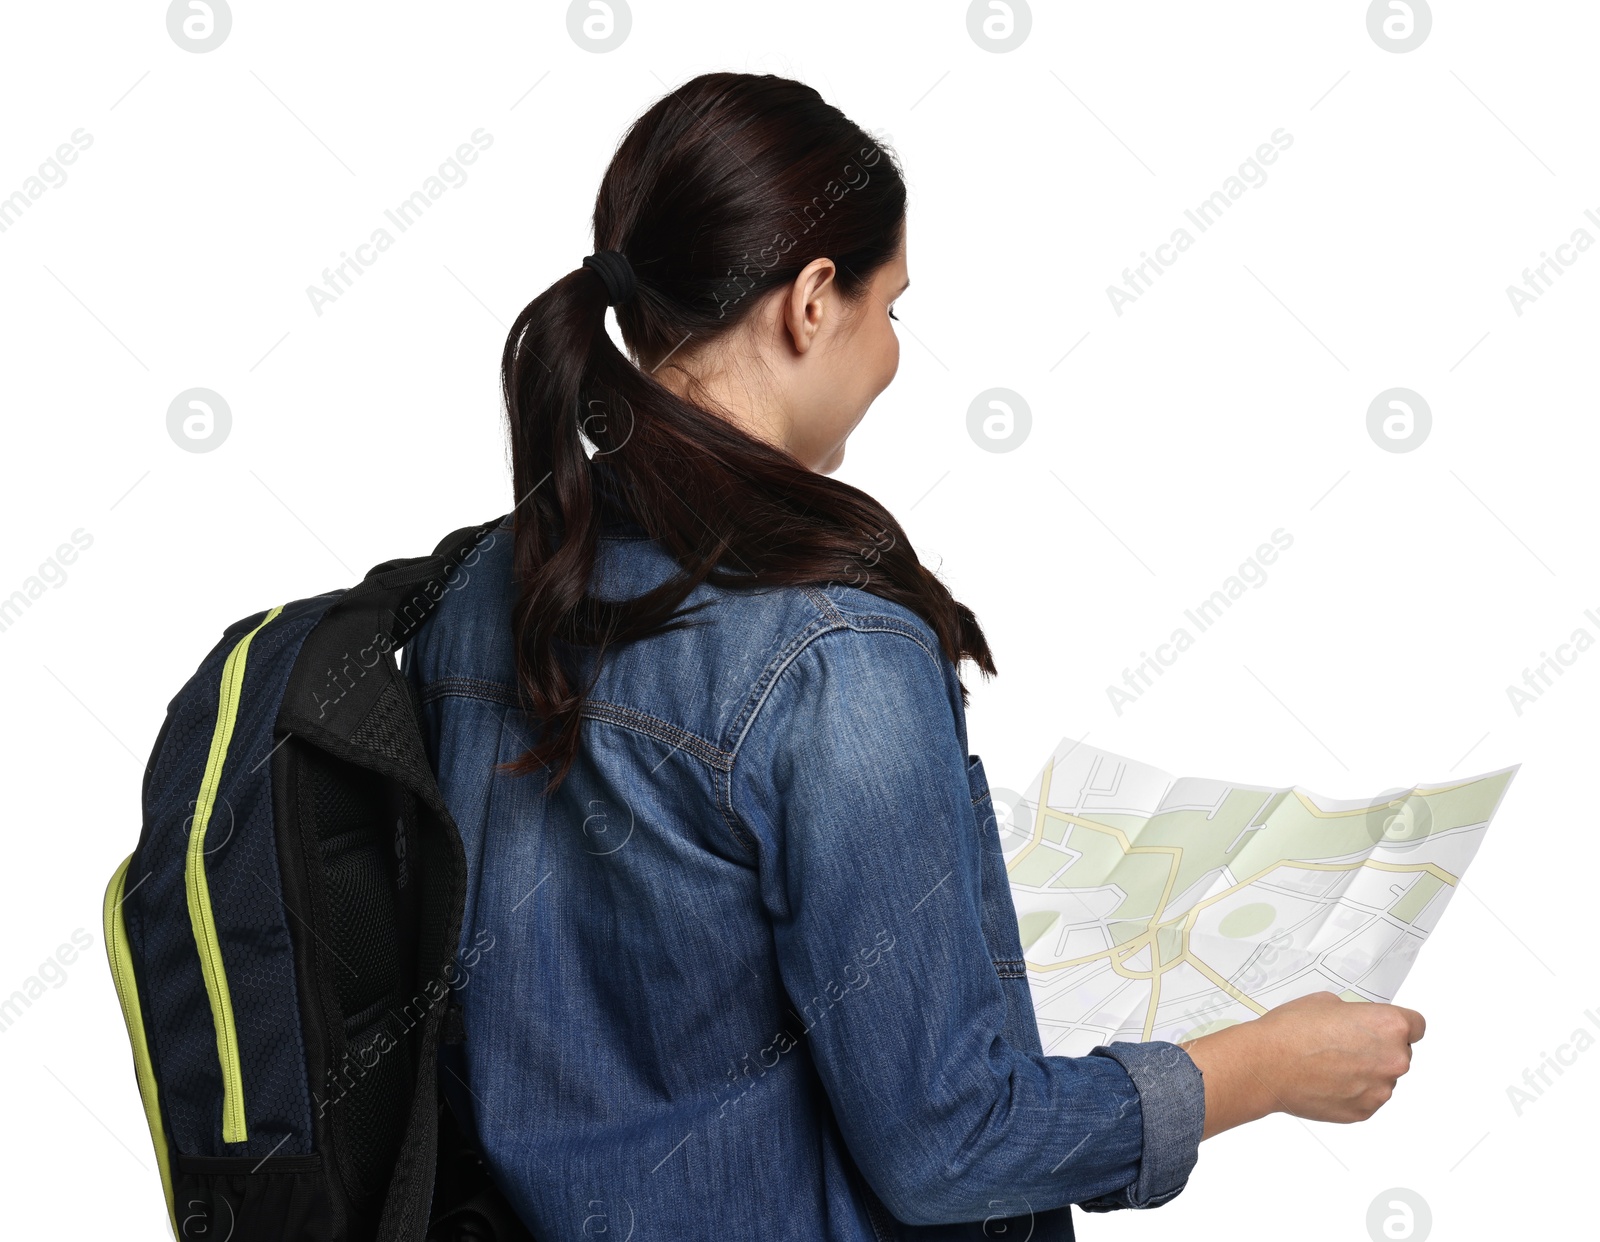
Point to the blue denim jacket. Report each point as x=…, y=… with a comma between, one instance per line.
x=754, y=970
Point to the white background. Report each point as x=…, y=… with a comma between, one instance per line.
x=1227, y=402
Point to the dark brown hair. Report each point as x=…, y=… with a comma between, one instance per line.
x=725, y=189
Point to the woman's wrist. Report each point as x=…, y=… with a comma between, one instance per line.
x=1235, y=1067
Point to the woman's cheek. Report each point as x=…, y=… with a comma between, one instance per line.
x=891, y=359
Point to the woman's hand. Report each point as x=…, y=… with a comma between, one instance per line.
x=1317, y=1057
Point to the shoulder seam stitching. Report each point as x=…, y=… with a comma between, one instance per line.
x=653, y=726
x=769, y=679
x=803, y=640
x=593, y=709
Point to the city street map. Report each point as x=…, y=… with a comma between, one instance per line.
x=1154, y=908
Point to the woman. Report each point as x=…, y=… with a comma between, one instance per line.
x=754, y=967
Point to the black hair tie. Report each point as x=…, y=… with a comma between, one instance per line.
x=617, y=274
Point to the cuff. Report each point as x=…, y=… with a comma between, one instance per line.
x=1172, y=1099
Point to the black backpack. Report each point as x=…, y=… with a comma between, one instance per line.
x=284, y=937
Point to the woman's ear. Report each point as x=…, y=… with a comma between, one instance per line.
x=808, y=302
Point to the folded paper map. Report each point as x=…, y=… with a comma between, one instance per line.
x=1154, y=908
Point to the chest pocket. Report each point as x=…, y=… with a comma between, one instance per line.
x=999, y=914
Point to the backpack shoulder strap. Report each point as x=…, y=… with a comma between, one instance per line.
x=346, y=666
x=377, y=855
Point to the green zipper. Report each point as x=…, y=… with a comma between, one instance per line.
x=116, y=932
x=199, y=892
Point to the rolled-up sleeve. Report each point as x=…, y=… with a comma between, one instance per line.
x=1172, y=1101
x=850, y=780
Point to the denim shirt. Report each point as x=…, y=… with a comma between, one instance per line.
x=754, y=971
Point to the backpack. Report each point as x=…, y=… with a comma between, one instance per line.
x=284, y=937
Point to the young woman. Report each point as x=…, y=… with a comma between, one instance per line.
x=752, y=967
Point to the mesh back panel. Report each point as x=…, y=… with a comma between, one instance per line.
x=376, y=1114
x=361, y=910
x=353, y=814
